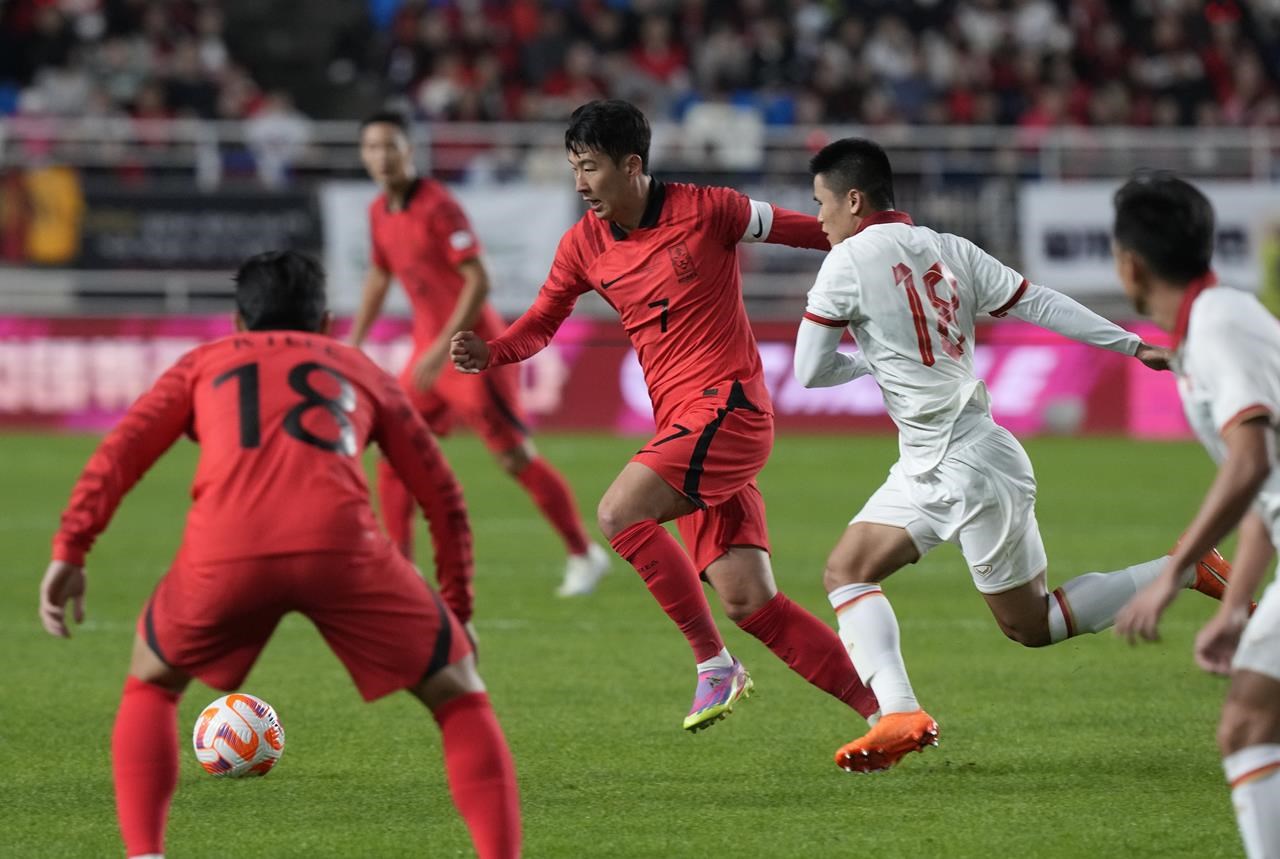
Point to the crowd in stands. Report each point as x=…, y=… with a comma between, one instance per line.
x=1034, y=63
x=1031, y=63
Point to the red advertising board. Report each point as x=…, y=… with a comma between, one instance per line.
x=81, y=373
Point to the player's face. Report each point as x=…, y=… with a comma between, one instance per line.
x=601, y=182
x=1130, y=277
x=835, y=212
x=384, y=149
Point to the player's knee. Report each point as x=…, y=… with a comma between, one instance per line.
x=1243, y=725
x=739, y=607
x=515, y=460
x=847, y=569
x=612, y=518
x=1028, y=633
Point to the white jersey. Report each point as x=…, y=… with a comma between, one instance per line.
x=910, y=297
x=1228, y=367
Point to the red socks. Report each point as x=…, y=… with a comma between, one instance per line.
x=144, y=760
x=670, y=577
x=482, y=777
x=552, y=496
x=811, y=649
x=397, y=506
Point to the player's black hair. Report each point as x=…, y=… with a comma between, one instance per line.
x=388, y=117
x=612, y=126
x=855, y=162
x=280, y=290
x=1166, y=221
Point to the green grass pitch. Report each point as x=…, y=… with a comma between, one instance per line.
x=1086, y=749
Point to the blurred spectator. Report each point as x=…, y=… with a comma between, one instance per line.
x=1033, y=64
x=277, y=135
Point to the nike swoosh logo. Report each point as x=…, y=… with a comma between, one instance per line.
x=605, y=284
x=759, y=227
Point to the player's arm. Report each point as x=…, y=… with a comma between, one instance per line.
x=531, y=333
x=1002, y=292
x=377, y=282
x=829, y=308
x=1217, y=641
x=474, y=293
x=413, y=453
x=1246, y=466
x=739, y=219
x=148, y=429
x=818, y=362
x=1051, y=309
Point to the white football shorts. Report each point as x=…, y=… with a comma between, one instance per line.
x=1259, y=648
x=982, y=497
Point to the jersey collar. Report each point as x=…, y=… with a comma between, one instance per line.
x=888, y=216
x=1194, y=288
x=652, y=210
x=408, y=196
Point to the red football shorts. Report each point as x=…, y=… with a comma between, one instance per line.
x=711, y=453
x=488, y=402
x=377, y=613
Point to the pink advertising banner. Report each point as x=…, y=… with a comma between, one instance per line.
x=82, y=373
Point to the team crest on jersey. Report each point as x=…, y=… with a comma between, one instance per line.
x=682, y=262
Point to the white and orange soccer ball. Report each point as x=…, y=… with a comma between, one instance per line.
x=238, y=735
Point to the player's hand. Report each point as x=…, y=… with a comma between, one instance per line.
x=1140, y=618
x=1216, y=643
x=428, y=368
x=469, y=352
x=1155, y=357
x=62, y=582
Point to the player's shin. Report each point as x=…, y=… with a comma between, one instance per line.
x=1089, y=603
x=1254, y=776
x=144, y=762
x=482, y=776
x=671, y=578
x=397, y=508
x=554, y=499
x=869, y=631
x=811, y=649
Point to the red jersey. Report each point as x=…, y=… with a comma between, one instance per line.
x=676, y=285
x=281, y=418
x=422, y=245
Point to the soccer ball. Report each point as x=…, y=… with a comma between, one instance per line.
x=238, y=735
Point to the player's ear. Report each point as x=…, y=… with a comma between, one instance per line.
x=857, y=202
x=632, y=165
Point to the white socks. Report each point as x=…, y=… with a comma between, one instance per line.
x=1089, y=603
x=1254, y=776
x=869, y=631
x=720, y=660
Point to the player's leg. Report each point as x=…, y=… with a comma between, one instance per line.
x=730, y=543
x=399, y=509
x=478, y=764
x=392, y=632
x=144, y=750
x=209, y=622
x=867, y=554
x=1249, y=733
x=588, y=561
x=886, y=535
x=490, y=404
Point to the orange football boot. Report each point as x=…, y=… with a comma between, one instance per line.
x=1212, y=574
x=889, y=741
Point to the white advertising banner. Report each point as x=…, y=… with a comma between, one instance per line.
x=519, y=225
x=1066, y=233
